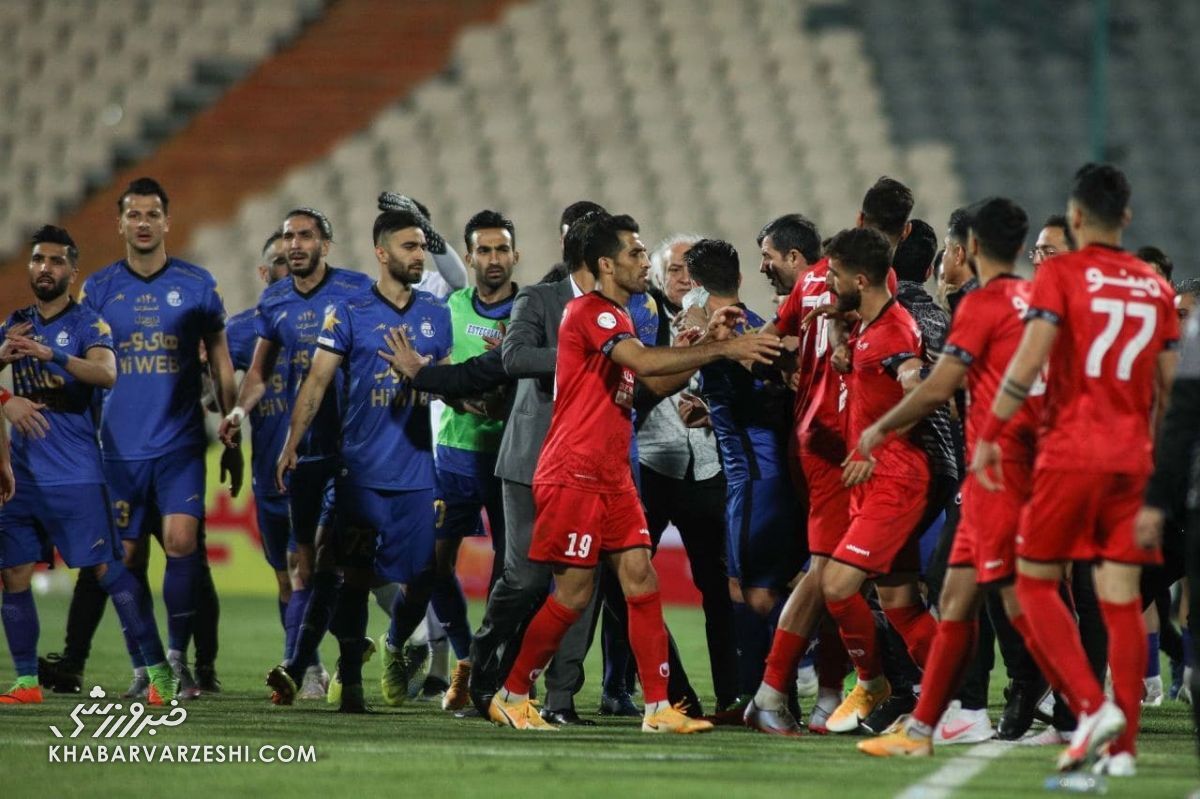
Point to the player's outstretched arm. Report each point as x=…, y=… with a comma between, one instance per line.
x=254, y=386
x=659, y=361
x=932, y=393
x=324, y=365
x=523, y=348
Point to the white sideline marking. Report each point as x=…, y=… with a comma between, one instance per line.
x=956, y=773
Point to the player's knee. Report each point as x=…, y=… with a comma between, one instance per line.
x=761, y=600
x=284, y=584
x=836, y=585
x=735, y=591
x=17, y=579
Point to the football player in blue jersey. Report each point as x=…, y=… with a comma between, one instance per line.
x=751, y=416
x=62, y=354
x=385, y=486
x=268, y=426
x=161, y=310
x=287, y=323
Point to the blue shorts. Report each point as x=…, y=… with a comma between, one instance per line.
x=310, y=498
x=460, y=498
x=391, y=530
x=274, y=529
x=171, y=483
x=72, y=518
x=762, y=520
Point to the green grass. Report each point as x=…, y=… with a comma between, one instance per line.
x=419, y=751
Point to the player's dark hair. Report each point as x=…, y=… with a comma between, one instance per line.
x=602, y=238
x=390, y=221
x=572, y=243
x=1103, y=191
x=49, y=234
x=323, y=223
x=864, y=251
x=914, y=255
x=488, y=219
x=578, y=210
x=1155, y=256
x=1060, y=221
x=274, y=237
x=793, y=232
x=886, y=206
x=144, y=187
x=714, y=265
x=959, y=224
x=1000, y=226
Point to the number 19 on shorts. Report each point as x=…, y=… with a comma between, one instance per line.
x=578, y=545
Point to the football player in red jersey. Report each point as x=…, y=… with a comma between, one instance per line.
x=1106, y=325
x=984, y=336
x=586, y=502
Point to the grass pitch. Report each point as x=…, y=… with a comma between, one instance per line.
x=420, y=751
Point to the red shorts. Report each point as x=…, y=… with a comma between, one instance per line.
x=884, y=513
x=1083, y=516
x=571, y=527
x=986, y=538
x=828, y=504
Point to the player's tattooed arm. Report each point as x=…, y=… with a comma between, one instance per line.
x=1014, y=389
x=1024, y=367
x=324, y=365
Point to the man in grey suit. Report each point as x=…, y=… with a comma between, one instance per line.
x=528, y=352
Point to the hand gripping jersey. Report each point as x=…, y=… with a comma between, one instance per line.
x=69, y=454
x=157, y=325
x=387, y=440
x=293, y=320
x=587, y=445
x=1115, y=315
x=269, y=418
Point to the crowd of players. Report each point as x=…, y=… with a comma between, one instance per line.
x=873, y=479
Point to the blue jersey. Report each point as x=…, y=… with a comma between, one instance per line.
x=269, y=418
x=751, y=417
x=292, y=320
x=387, y=438
x=643, y=310
x=70, y=452
x=157, y=324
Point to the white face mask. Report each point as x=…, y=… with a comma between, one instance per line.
x=698, y=296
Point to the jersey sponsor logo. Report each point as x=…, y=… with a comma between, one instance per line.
x=606, y=320
x=426, y=328
x=483, y=331
x=1138, y=286
x=145, y=302
x=993, y=564
x=866, y=553
x=174, y=298
x=63, y=338
x=862, y=345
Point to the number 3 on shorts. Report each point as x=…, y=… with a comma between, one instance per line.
x=584, y=543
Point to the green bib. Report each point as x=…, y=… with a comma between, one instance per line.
x=460, y=430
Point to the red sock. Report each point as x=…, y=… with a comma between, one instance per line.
x=648, y=640
x=1127, y=655
x=786, y=651
x=1054, y=631
x=948, y=659
x=1021, y=625
x=917, y=627
x=857, y=628
x=541, y=641
x=832, y=661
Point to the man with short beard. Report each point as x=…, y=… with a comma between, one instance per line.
x=385, y=481
x=62, y=355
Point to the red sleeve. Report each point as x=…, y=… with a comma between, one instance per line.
x=1048, y=301
x=601, y=325
x=1171, y=330
x=791, y=312
x=969, y=330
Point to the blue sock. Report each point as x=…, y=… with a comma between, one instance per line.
x=21, y=629
x=1153, y=666
x=408, y=609
x=349, y=624
x=179, y=595
x=137, y=622
x=450, y=606
x=283, y=606
x=752, y=635
x=294, y=618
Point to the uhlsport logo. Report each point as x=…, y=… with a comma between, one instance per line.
x=119, y=721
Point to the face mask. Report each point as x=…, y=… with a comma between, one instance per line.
x=696, y=297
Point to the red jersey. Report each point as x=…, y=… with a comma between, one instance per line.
x=590, y=434
x=877, y=351
x=818, y=419
x=1115, y=315
x=984, y=335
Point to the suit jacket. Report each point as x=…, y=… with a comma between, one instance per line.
x=529, y=351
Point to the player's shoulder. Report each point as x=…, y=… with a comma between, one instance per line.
x=753, y=319
x=345, y=278
x=241, y=318
x=20, y=315
x=430, y=301
x=187, y=270
x=276, y=294
x=105, y=276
